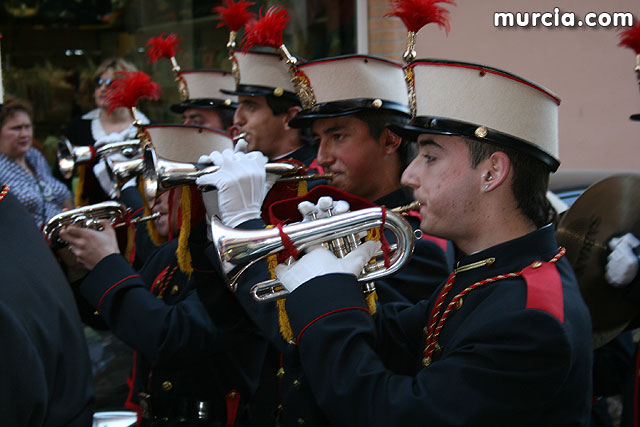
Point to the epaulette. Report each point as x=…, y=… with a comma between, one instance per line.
x=544, y=288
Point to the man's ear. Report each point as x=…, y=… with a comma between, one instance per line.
x=290, y=114
x=495, y=170
x=391, y=141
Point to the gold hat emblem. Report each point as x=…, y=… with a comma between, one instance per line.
x=481, y=132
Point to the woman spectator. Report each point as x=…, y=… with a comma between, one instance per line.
x=97, y=125
x=24, y=168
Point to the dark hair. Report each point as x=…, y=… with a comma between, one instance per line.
x=530, y=180
x=12, y=106
x=280, y=104
x=226, y=117
x=379, y=120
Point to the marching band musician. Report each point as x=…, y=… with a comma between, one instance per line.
x=194, y=365
x=267, y=102
x=206, y=104
x=357, y=99
x=507, y=339
x=46, y=376
x=202, y=103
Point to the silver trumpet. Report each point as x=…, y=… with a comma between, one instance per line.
x=340, y=233
x=89, y=217
x=160, y=174
x=69, y=156
x=120, y=171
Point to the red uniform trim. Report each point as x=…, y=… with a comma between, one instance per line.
x=129, y=403
x=111, y=288
x=137, y=211
x=233, y=401
x=315, y=165
x=93, y=152
x=4, y=191
x=327, y=314
x=159, y=278
x=196, y=128
x=492, y=71
x=544, y=289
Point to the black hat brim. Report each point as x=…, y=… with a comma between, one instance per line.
x=246, y=90
x=202, y=103
x=441, y=126
x=635, y=117
x=306, y=117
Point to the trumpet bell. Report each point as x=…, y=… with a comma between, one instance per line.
x=68, y=156
x=86, y=216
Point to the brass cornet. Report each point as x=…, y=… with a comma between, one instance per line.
x=69, y=156
x=88, y=217
x=160, y=174
x=245, y=246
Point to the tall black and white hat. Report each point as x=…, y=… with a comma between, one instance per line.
x=261, y=74
x=350, y=84
x=203, y=89
x=485, y=104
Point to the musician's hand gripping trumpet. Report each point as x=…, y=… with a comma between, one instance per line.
x=89, y=217
x=340, y=232
x=160, y=174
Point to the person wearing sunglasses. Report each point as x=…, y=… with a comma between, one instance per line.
x=97, y=125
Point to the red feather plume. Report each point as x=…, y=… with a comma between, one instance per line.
x=417, y=13
x=631, y=38
x=235, y=15
x=162, y=48
x=129, y=88
x=267, y=30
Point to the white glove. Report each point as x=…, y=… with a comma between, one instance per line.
x=241, y=146
x=242, y=185
x=311, y=211
x=210, y=198
x=320, y=261
x=108, y=185
x=622, y=263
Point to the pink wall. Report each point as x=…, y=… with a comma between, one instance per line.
x=584, y=66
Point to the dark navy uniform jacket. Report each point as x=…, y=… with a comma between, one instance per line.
x=144, y=245
x=185, y=352
x=427, y=269
x=515, y=352
x=45, y=379
x=305, y=154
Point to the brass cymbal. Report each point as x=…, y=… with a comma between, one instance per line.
x=608, y=208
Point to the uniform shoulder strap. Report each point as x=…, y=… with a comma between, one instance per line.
x=544, y=288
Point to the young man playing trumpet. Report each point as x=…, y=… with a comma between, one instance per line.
x=266, y=103
x=507, y=339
